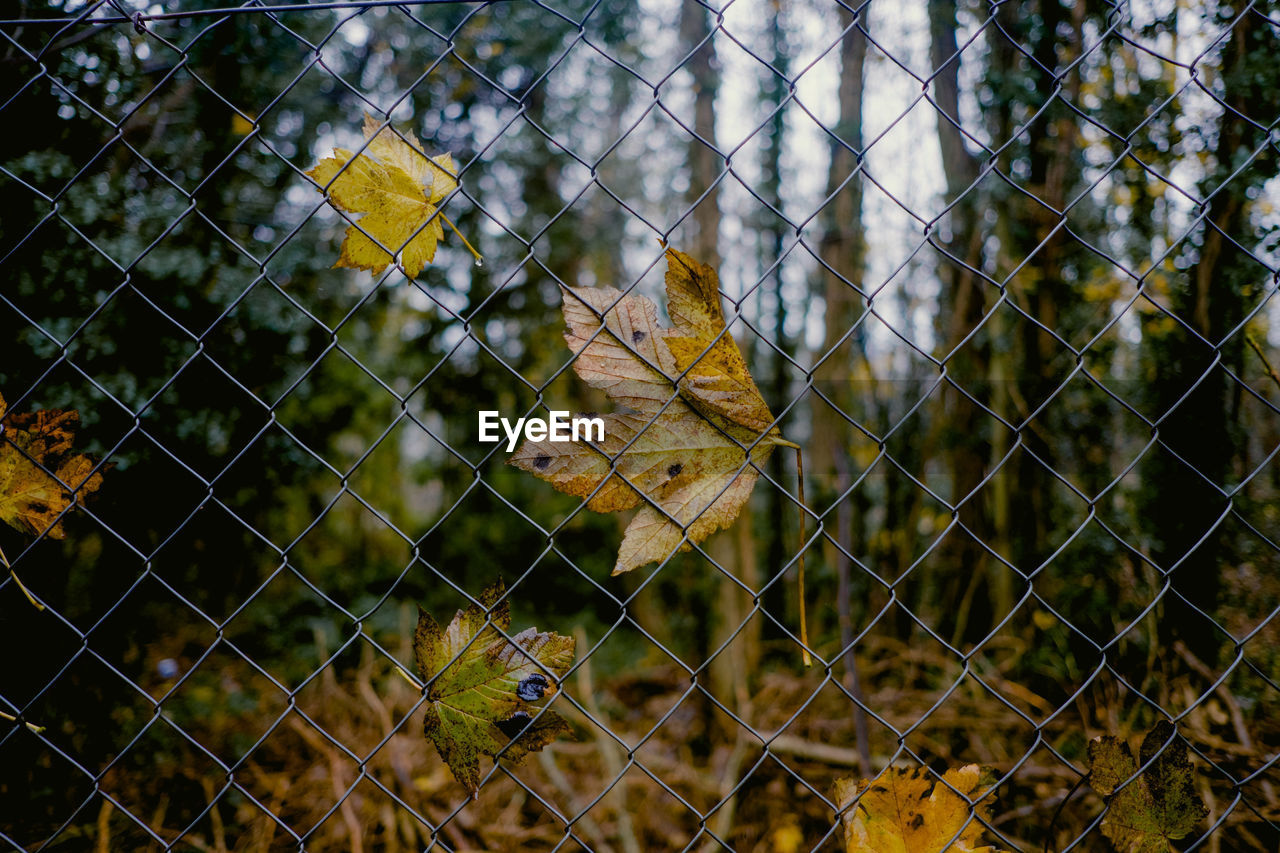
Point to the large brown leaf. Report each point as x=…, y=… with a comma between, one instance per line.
x=681, y=454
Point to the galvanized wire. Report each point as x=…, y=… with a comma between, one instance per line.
x=54, y=34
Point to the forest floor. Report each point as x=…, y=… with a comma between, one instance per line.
x=347, y=765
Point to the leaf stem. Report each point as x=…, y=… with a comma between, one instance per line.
x=409, y=678
x=472, y=249
x=32, y=726
x=5, y=560
x=1262, y=356
x=804, y=629
x=1061, y=805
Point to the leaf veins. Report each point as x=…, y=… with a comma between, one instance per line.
x=396, y=188
x=482, y=702
x=910, y=811
x=681, y=454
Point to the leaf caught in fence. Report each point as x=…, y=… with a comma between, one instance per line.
x=687, y=470
x=483, y=702
x=40, y=476
x=397, y=189
x=911, y=811
x=1146, y=813
x=718, y=383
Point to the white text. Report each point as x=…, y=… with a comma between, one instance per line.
x=561, y=427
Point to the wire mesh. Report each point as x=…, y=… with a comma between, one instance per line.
x=1046, y=387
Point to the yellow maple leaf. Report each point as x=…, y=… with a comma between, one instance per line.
x=682, y=455
x=39, y=475
x=910, y=811
x=396, y=188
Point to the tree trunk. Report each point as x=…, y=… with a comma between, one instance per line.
x=781, y=543
x=961, y=309
x=1200, y=424
x=705, y=161
x=723, y=599
x=843, y=359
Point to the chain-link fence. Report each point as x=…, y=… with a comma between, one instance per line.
x=1005, y=272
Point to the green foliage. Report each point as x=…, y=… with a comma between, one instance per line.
x=170, y=287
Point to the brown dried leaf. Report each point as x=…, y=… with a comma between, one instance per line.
x=687, y=470
x=40, y=476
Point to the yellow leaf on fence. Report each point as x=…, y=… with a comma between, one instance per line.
x=718, y=383
x=396, y=188
x=40, y=476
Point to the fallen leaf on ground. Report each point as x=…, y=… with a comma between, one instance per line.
x=911, y=811
x=679, y=455
x=484, y=702
x=1145, y=814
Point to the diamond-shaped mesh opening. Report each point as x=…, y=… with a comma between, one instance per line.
x=1006, y=275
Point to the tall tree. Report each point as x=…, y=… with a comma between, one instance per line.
x=774, y=94
x=724, y=601
x=697, y=35
x=843, y=361
x=775, y=87
x=962, y=299
x=1198, y=402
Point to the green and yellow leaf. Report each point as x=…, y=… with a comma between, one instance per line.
x=40, y=476
x=484, y=702
x=1145, y=814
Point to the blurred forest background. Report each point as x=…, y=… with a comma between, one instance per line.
x=1007, y=272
